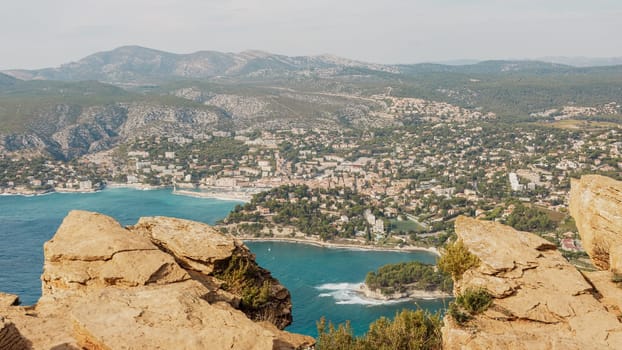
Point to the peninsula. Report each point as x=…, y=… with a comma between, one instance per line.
x=407, y=280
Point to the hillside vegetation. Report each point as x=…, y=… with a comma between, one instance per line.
x=409, y=330
x=262, y=91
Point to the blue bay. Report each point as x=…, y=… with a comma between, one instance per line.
x=322, y=280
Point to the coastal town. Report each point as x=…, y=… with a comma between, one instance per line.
x=411, y=180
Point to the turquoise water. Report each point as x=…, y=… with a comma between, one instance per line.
x=322, y=281
x=27, y=222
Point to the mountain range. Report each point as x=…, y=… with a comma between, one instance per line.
x=130, y=64
x=136, y=65
x=108, y=97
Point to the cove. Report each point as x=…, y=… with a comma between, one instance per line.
x=322, y=281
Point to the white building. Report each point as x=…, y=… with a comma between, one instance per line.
x=514, y=184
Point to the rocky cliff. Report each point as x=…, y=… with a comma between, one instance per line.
x=69, y=131
x=539, y=300
x=596, y=205
x=164, y=283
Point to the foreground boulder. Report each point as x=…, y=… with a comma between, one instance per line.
x=539, y=300
x=214, y=258
x=164, y=283
x=596, y=206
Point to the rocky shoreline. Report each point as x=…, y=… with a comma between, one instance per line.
x=409, y=294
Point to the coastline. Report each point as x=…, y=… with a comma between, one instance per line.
x=408, y=295
x=224, y=195
x=29, y=193
x=221, y=195
x=48, y=192
x=332, y=245
x=136, y=186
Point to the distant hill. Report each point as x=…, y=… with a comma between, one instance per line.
x=111, y=96
x=487, y=67
x=584, y=61
x=135, y=64
x=6, y=80
x=67, y=119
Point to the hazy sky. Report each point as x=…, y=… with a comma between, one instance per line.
x=42, y=33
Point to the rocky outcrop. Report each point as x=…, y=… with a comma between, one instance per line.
x=411, y=292
x=7, y=300
x=540, y=301
x=159, y=284
x=216, y=259
x=596, y=206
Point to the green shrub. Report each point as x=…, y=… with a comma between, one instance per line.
x=458, y=314
x=470, y=303
x=456, y=259
x=241, y=276
x=254, y=297
x=409, y=330
x=474, y=301
x=339, y=338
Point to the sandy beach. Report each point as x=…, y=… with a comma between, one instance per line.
x=136, y=186
x=222, y=195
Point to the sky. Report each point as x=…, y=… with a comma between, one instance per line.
x=45, y=33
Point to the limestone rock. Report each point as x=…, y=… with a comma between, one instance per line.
x=7, y=300
x=596, y=206
x=540, y=300
x=610, y=294
x=151, y=286
x=199, y=248
x=86, y=236
x=218, y=259
x=92, y=250
x=168, y=317
x=10, y=337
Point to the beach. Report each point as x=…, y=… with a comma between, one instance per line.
x=222, y=195
x=135, y=186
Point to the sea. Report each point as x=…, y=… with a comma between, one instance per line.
x=323, y=281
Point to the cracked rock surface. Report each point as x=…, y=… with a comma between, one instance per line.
x=540, y=301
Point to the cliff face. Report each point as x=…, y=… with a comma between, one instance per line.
x=596, y=205
x=67, y=131
x=539, y=300
x=162, y=283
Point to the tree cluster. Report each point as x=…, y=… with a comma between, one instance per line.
x=413, y=274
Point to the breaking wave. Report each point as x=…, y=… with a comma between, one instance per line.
x=349, y=294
